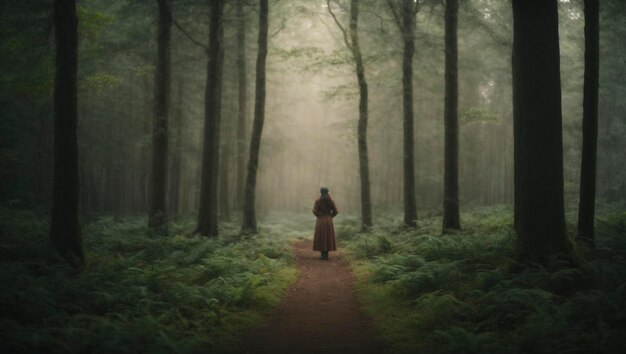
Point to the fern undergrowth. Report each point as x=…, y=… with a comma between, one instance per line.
x=463, y=293
x=138, y=292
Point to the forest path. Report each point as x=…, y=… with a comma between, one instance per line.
x=319, y=314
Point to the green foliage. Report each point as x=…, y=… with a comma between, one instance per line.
x=138, y=292
x=463, y=293
x=477, y=115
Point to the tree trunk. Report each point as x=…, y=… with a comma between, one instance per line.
x=208, y=210
x=540, y=220
x=223, y=195
x=158, y=207
x=408, y=29
x=451, y=217
x=224, y=185
x=65, y=230
x=249, y=212
x=175, y=168
x=586, y=210
x=366, y=201
x=242, y=102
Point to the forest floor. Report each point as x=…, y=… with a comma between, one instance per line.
x=413, y=290
x=320, y=312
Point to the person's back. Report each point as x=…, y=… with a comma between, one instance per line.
x=325, y=210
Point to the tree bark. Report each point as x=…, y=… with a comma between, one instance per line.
x=408, y=29
x=540, y=219
x=586, y=210
x=65, y=231
x=224, y=184
x=175, y=168
x=249, y=224
x=158, y=206
x=208, y=208
x=242, y=102
x=366, y=200
x=451, y=214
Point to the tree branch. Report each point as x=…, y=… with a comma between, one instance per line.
x=186, y=34
x=343, y=30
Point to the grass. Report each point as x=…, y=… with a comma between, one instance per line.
x=138, y=292
x=458, y=293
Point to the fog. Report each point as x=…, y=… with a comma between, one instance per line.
x=309, y=137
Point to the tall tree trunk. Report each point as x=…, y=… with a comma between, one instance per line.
x=223, y=195
x=158, y=207
x=408, y=29
x=540, y=219
x=366, y=199
x=65, y=230
x=174, y=197
x=451, y=217
x=249, y=212
x=586, y=210
x=208, y=210
x=224, y=185
x=242, y=102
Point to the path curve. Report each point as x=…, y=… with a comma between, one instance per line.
x=320, y=312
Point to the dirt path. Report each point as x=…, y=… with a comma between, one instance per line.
x=319, y=314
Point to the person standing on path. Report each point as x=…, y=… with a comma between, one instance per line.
x=325, y=210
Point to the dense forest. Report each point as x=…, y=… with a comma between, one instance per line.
x=159, y=161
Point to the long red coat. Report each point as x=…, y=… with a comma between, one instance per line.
x=325, y=210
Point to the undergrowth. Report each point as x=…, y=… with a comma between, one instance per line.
x=460, y=293
x=138, y=292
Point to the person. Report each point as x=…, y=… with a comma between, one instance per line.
x=325, y=210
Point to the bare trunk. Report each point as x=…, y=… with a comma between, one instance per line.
x=366, y=200
x=451, y=214
x=65, y=230
x=586, y=210
x=208, y=209
x=175, y=168
x=242, y=103
x=540, y=220
x=408, y=28
x=249, y=212
x=158, y=207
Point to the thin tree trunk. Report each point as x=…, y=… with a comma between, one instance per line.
x=242, y=102
x=586, y=210
x=249, y=212
x=366, y=200
x=224, y=185
x=174, y=200
x=158, y=207
x=208, y=210
x=540, y=219
x=408, y=29
x=65, y=230
x=223, y=195
x=451, y=217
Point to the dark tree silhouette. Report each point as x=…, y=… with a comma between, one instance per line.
x=249, y=212
x=65, y=230
x=538, y=147
x=157, y=219
x=404, y=14
x=242, y=100
x=176, y=153
x=351, y=39
x=208, y=210
x=451, y=214
x=586, y=210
